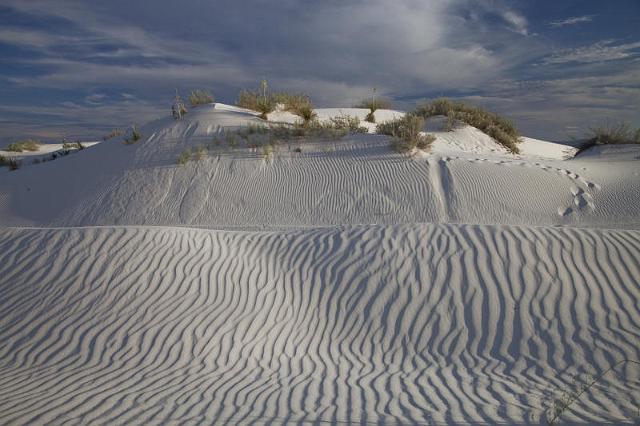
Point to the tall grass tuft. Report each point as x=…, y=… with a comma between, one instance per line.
x=200, y=97
x=112, y=134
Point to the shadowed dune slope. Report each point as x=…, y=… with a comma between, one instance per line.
x=390, y=324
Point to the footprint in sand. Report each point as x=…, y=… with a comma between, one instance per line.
x=564, y=211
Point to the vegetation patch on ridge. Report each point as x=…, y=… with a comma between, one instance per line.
x=499, y=128
x=25, y=145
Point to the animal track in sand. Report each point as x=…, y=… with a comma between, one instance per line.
x=581, y=198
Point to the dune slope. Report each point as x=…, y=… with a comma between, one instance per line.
x=359, y=180
x=393, y=324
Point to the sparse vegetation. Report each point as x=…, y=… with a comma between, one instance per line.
x=184, y=157
x=348, y=123
x=614, y=134
x=112, y=134
x=264, y=101
x=134, y=137
x=178, y=109
x=200, y=153
x=407, y=133
x=373, y=104
x=494, y=125
x=261, y=100
x=307, y=114
x=25, y=145
x=200, y=97
x=11, y=163
x=72, y=145
x=568, y=398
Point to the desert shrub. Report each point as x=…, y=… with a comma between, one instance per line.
x=407, y=133
x=613, y=134
x=501, y=129
x=134, y=137
x=200, y=97
x=248, y=99
x=347, y=122
x=25, y=145
x=184, y=157
x=307, y=114
x=261, y=100
x=178, y=109
x=292, y=102
x=112, y=134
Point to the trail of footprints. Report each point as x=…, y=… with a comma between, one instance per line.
x=582, y=199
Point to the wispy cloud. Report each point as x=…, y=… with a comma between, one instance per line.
x=601, y=51
x=517, y=22
x=571, y=21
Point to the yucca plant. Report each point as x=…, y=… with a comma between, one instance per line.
x=178, y=109
x=373, y=104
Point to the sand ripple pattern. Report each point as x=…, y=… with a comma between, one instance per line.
x=366, y=324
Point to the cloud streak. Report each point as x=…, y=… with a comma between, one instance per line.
x=575, y=20
x=601, y=51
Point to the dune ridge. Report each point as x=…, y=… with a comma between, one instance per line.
x=396, y=324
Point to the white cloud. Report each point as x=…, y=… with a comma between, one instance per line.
x=517, y=22
x=601, y=51
x=572, y=21
x=95, y=98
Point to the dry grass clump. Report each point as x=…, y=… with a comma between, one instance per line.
x=134, y=137
x=25, y=145
x=614, y=134
x=407, y=134
x=112, y=134
x=261, y=100
x=347, y=122
x=184, y=157
x=200, y=97
x=499, y=128
x=72, y=145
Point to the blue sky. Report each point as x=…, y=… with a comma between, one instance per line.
x=79, y=68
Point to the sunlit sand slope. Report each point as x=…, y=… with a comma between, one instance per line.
x=397, y=324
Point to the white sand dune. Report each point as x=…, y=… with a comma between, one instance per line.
x=468, y=179
x=398, y=324
x=341, y=284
